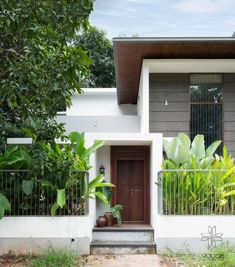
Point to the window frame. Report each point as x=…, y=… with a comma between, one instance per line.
x=206, y=103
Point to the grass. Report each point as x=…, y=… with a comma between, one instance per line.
x=55, y=258
x=221, y=256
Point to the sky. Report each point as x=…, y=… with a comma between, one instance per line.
x=165, y=18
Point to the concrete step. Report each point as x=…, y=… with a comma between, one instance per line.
x=120, y=247
x=124, y=235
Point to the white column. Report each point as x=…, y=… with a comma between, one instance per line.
x=92, y=174
x=143, y=98
x=155, y=167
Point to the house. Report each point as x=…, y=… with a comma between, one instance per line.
x=164, y=86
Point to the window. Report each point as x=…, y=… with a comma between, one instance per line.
x=206, y=106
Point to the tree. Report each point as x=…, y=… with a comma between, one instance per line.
x=100, y=50
x=40, y=68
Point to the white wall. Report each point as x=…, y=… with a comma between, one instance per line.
x=155, y=166
x=99, y=102
x=107, y=124
x=35, y=226
x=143, y=99
x=33, y=234
x=97, y=110
x=103, y=157
x=190, y=65
x=184, y=233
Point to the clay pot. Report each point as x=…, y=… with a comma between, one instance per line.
x=101, y=221
x=109, y=217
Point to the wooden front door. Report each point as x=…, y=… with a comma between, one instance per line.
x=130, y=174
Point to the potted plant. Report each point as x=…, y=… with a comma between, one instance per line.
x=109, y=217
x=108, y=214
x=117, y=213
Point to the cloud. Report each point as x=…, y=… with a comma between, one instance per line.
x=203, y=6
x=140, y=1
x=165, y=17
x=114, y=8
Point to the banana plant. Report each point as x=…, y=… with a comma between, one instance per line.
x=191, y=192
x=88, y=191
x=62, y=170
x=81, y=153
x=181, y=152
x=16, y=158
x=94, y=184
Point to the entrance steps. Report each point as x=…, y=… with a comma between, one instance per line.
x=125, y=239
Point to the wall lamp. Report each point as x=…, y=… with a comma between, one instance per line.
x=102, y=169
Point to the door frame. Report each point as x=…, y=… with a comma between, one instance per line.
x=132, y=153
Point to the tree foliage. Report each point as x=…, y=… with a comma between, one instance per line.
x=100, y=50
x=40, y=68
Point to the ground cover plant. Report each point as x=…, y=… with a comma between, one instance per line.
x=220, y=256
x=55, y=258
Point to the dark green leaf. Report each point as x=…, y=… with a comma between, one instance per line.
x=61, y=197
x=27, y=186
x=4, y=205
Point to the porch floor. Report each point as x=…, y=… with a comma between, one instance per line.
x=125, y=227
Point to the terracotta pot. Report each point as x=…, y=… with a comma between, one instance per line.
x=101, y=221
x=109, y=217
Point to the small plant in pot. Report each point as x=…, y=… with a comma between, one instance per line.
x=108, y=214
x=117, y=213
x=107, y=192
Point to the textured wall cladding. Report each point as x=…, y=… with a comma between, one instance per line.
x=229, y=111
x=174, y=117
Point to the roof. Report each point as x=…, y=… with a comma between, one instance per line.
x=130, y=52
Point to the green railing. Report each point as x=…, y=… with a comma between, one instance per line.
x=196, y=192
x=29, y=198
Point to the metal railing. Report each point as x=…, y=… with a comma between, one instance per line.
x=28, y=197
x=196, y=192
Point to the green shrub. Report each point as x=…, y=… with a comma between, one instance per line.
x=55, y=258
x=56, y=175
x=195, y=180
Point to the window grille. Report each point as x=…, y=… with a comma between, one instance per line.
x=206, y=103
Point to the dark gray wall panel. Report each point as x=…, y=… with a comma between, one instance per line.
x=169, y=96
x=168, y=78
x=228, y=96
x=229, y=116
x=169, y=116
x=229, y=111
x=175, y=117
x=229, y=126
x=229, y=106
x=172, y=134
x=169, y=127
x=172, y=106
x=229, y=136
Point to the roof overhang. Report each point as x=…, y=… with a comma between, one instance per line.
x=130, y=52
